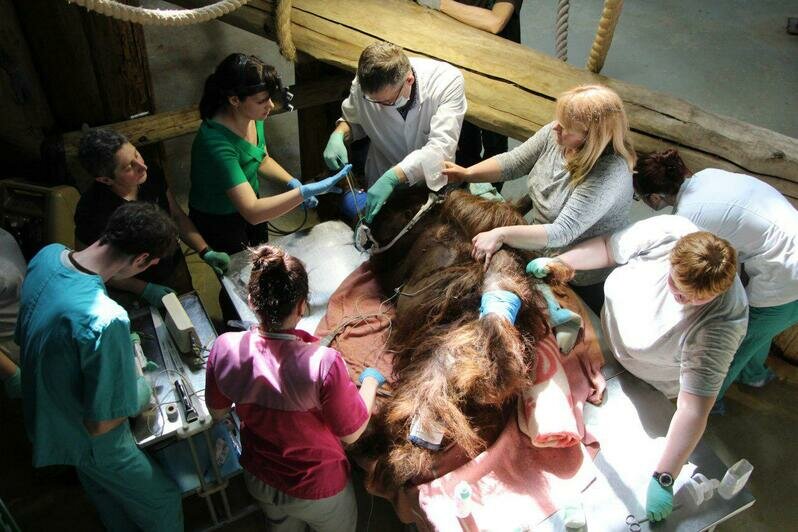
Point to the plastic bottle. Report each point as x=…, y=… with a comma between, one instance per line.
x=432, y=166
x=462, y=499
x=700, y=488
x=735, y=479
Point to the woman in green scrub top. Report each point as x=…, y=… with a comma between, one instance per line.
x=229, y=153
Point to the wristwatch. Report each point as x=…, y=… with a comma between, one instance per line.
x=665, y=479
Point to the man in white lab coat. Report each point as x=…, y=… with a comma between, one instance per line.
x=412, y=111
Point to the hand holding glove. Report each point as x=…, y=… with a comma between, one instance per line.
x=379, y=193
x=311, y=202
x=217, y=260
x=539, y=267
x=325, y=185
x=659, y=501
x=374, y=374
x=335, y=155
x=154, y=293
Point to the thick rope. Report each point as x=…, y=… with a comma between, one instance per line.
x=603, y=40
x=160, y=17
x=282, y=27
x=561, y=42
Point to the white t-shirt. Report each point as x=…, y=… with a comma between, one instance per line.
x=12, y=272
x=757, y=220
x=669, y=345
x=432, y=124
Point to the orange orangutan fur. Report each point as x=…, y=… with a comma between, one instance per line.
x=450, y=366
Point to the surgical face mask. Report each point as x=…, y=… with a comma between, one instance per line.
x=401, y=101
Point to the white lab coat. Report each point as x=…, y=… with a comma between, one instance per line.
x=432, y=124
x=757, y=220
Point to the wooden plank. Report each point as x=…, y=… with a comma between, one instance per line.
x=164, y=126
x=511, y=88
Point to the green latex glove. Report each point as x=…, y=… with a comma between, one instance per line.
x=217, y=260
x=154, y=293
x=539, y=267
x=659, y=501
x=379, y=193
x=143, y=392
x=335, y=155
x=13, y=385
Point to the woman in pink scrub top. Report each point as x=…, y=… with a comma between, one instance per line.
x=296, y=403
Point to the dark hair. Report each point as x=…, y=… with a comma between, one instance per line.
x=381, y=64
x=238, y=75
x=97, y=151
x=277, y=284
x=660, y=173
x=139, y=227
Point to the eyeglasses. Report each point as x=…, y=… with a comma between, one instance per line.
x=384, y=102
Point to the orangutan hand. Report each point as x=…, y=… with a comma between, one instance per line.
x=486, y=244
x=455, y=173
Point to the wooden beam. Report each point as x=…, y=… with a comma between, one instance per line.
x=511, y=89
x=164, y=126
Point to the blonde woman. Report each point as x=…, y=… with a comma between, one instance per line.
x=579, y=177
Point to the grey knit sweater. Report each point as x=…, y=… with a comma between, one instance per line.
x=597, y=206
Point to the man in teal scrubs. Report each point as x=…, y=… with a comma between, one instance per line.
x=79, y=383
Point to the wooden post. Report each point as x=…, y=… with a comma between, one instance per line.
x=317, y=122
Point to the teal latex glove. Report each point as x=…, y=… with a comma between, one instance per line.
x=217, y=260
x=335, y=155
x=659, y=501
x=143, y=393
x=539, y=267
x=372, y=372
x=311, y=202
x=154, y=293
x=379, y=193
x=432, y=4
x=13, y=385
x=325, y=185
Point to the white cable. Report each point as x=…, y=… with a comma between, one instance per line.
x=160, y=17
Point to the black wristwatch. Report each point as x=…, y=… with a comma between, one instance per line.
x=665, y=479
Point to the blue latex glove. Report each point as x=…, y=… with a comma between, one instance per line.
x=335, y=155
x=539, y=267
x=379, y=193
x=217, y=260
x=372, y=372
x=325, y=185
x=154, y=293
x=143, y=392
x=311, y=202
x=659, y=501
x=13, y=385
x=501, y=302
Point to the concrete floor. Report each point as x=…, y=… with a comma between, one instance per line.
x=732, y=57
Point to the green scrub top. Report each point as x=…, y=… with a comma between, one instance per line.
x=221, y=160
x=76, y=358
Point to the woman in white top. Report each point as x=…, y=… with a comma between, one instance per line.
x=674, y=315
x=762, y=226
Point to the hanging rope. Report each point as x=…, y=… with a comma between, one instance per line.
x=282, y=26
x=160, y=17
x=561, y=42
x=603, y=40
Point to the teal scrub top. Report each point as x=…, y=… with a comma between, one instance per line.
x=221, y=160
x=76, y=358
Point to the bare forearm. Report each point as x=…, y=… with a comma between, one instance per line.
x=271, y=169
x=686, y=428
x=476, y=17
x=523, y=236
x=591, y=254
x=368, y=392
x=487, y=171
x=185, y=227
x=344, y=127
x=258, y=210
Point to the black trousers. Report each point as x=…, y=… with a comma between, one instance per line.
x=229, y=233
x=477, y=144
